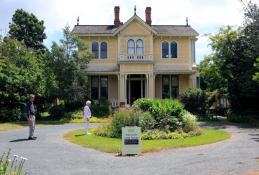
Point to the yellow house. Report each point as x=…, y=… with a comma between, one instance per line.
x=137, y=59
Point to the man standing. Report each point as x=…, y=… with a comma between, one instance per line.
x=87, y=115
x=30, y=114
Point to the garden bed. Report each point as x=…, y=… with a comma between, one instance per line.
x=113, y=145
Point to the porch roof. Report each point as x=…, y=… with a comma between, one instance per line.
x=173, y=69
x=102, y=69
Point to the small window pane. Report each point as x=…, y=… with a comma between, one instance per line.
x=103, y=50
x=95, y=87
x=95, y=49
x=175, y=81
x=165, y=86
x=193, y=51
x=140, y=49
x=165, y=50
x=173, y=49
x=174, y=86
x=104, y=87
x=131, y=47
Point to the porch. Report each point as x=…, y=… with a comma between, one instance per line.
x=123, y=89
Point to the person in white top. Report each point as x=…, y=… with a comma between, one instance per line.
x=87, y=115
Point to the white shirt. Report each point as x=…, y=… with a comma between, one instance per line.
x=87, y=112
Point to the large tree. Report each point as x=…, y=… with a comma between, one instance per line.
x=21, y=73
x=26, y=27
x=69, y=59
x=231, y=64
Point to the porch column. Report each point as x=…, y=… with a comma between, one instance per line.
x=192, y=81
x=122, y=89
x=151, y=85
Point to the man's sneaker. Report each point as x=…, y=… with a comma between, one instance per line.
x=32, y=138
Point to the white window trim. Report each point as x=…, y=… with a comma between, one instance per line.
x=170, y=85
x=193, y=54
x=169, y=49
x=161, y=48
x=107, y=49
x=99, y=49
x=135, y=41
x=177, y=44
x=142, y=46
x=99, y=85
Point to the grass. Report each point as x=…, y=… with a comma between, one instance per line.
x=113, y=145
x=9, y=126
x=16, y=125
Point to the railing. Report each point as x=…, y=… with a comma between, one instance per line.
x=136, y=57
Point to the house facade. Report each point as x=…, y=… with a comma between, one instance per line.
x=136, y=59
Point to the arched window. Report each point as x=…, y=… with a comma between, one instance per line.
x=103, y=50
x=165, y=49
x=173, y=50
x=131, y=47
x=140, y=48
x=95, y=49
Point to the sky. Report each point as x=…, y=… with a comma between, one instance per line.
x=205, y=16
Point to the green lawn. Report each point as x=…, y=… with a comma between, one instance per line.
x=113, y=145
x=9, y=126
x=16, y=125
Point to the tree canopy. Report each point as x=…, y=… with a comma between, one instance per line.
x=26, y=27
x=69, y=59
x=27, y=67
x=231, y=65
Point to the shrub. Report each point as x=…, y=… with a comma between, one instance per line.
x=73, y=106
x=189, y=122
x=237, y=118
x=195, y=101
x=11, y=167
x=123, y=118
x=167, y=113
x=101, y=108
x=57, y=112
x=158, y=135
x=126, y=118
x=11, y=114
x=146, y=121
x=143, y=104
x=104, y=131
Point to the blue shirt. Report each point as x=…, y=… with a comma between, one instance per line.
x=30, y=109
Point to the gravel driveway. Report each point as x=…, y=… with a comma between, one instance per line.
x=51, y=155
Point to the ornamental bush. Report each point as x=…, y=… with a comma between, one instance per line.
x=101, y=108
x=146, y=121
x=121, y=119
x=167, y=113
x=158, y=119
x=195, y=101
x=126, y=118
x=57, y=112
x=143, y=104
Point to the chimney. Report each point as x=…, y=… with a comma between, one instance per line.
x=148, y=15
x=116, y=16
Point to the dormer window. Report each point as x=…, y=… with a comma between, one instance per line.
x=131, y=47
x=139, y=47
x=135, y=47
x=99, y=49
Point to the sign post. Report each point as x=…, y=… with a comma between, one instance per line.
x=131, y=140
